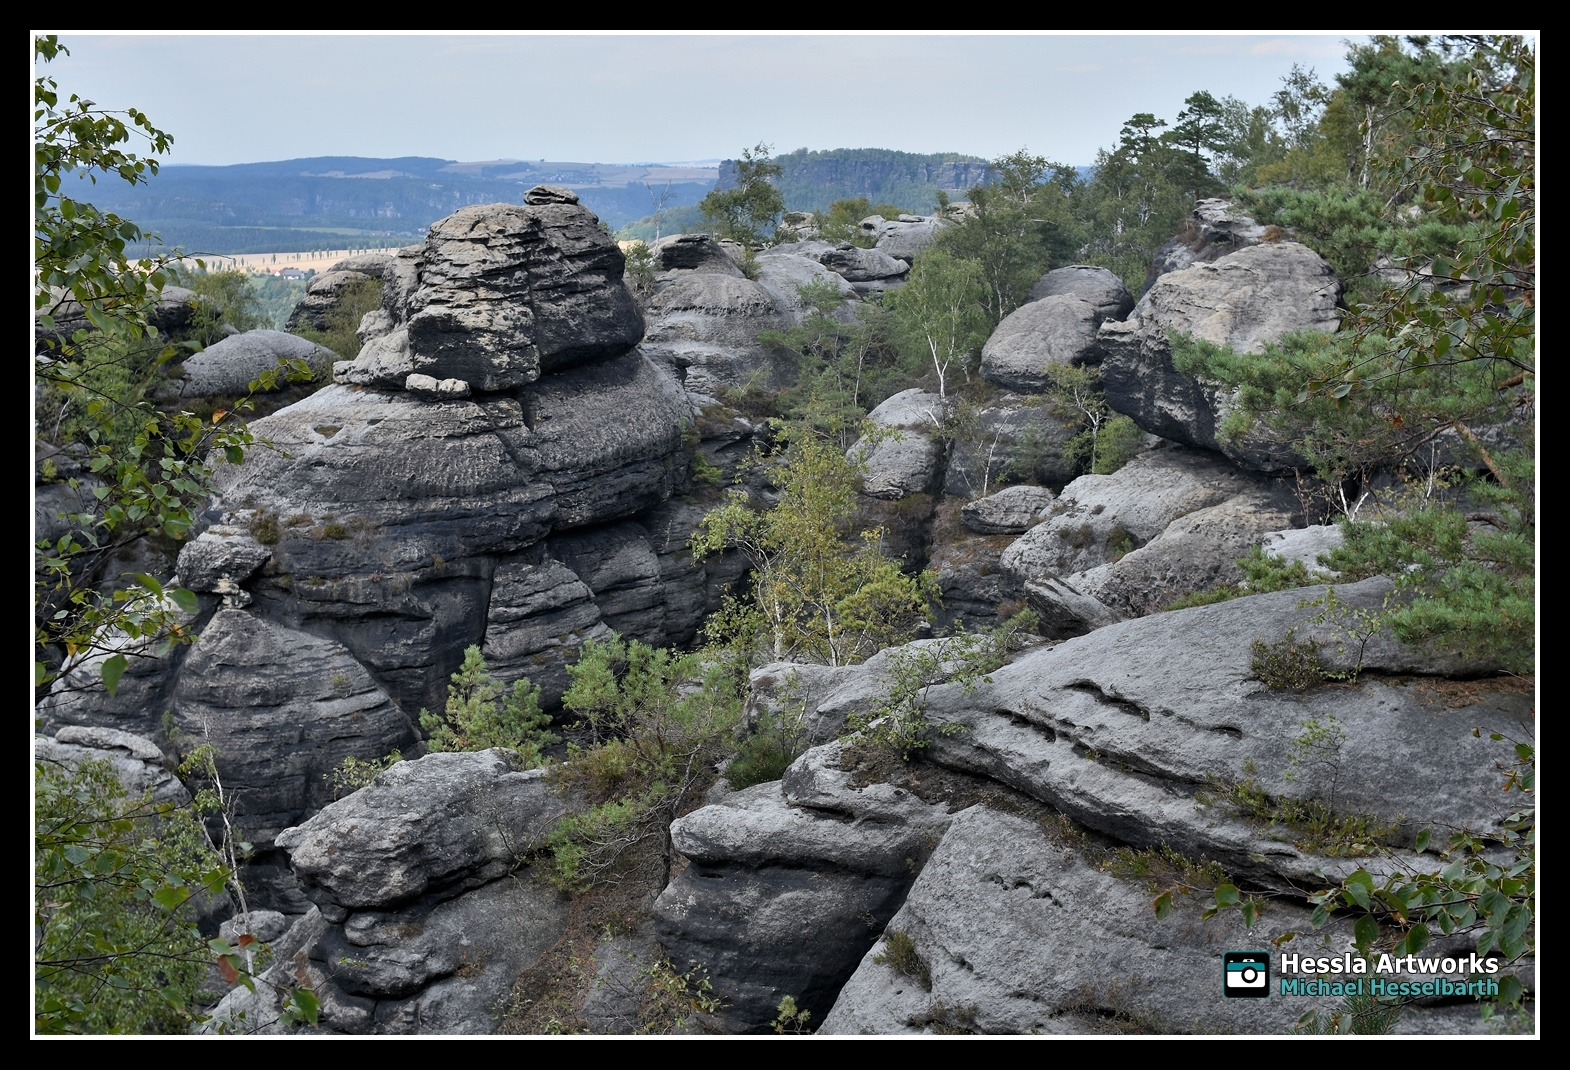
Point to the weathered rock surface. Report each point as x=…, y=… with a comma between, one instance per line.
x=1304, y=544
x=1242, y=300
x=282, y=709
x=221, y=558
x=619, y=566
x=782, y=274
x=693, y=252
x=322, y=295
x=790, y=883
x=1060, y=329
x=444, y=823
x=390, y=510
x=909, y=459
x=1013, y=438
x=138, y=763
x=1195, y=552
x=1008, y=512
x=395, y=953
x=902, y=238
x=1023, y=934
x=227, y=367
x=1100, y=518
x=1122, y=728
x=606, y=438
x=705, y=326
x=1064, y=610
x=1216, y=229
x=540, y=612
x=857, y=265
x=422, y=921
x=1101, y=287
x=510, y=291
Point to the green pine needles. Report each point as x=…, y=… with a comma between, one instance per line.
x=482, y=714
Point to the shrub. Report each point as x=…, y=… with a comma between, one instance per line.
x=900, y=955
x=354, y=773
x=480, y=715
x=1288, y=665
x=116, y=947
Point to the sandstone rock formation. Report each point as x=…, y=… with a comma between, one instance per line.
x=420, y=924
x=1242, y=300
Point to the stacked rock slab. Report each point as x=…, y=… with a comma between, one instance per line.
x=421, y=919
x=503, y=425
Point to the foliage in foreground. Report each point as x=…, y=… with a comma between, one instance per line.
x=116, y=947
x=817, y=593
x=653, y=724
x=149, y=469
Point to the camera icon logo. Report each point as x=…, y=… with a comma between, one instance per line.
x=1247, y=974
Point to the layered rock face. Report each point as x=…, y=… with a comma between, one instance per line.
x=1030, y=912
x=419, y=923
x=475, y=477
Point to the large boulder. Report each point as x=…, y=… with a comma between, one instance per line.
x=425, y=912
x=903, y=238
x=1060, y=329
x=387, y=512
x=171, y=314
x=228, y=366
x=783, y=273
x=704, y=325
x=1216, y=228
x=1243, y=300
x=1195, y=552
x=136, y=761
x=790, y=882
x=1008, y=512
x=1143, y=730
x=1010, y=438
x=857, y=265
x=1101, y=287
x=382, y=512
x=322, y=295
x=1098, y=518
x=908, y=457
x=444, y=823
x=1013, y=929
x=510, y=291
x=693, y=252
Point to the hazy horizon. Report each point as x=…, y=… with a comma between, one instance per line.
x=640, y=99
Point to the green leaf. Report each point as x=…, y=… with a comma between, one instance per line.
x=185, y=599
x=1421, y=843
x=1365, y=932
x=1226, y=895
x=111, y=671
x=170, y=898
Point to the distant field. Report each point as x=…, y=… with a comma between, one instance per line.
x=269, y=263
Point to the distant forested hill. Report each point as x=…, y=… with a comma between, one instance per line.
x=347, y=201
x=811, y=181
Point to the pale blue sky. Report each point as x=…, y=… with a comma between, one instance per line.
x=613, y=98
